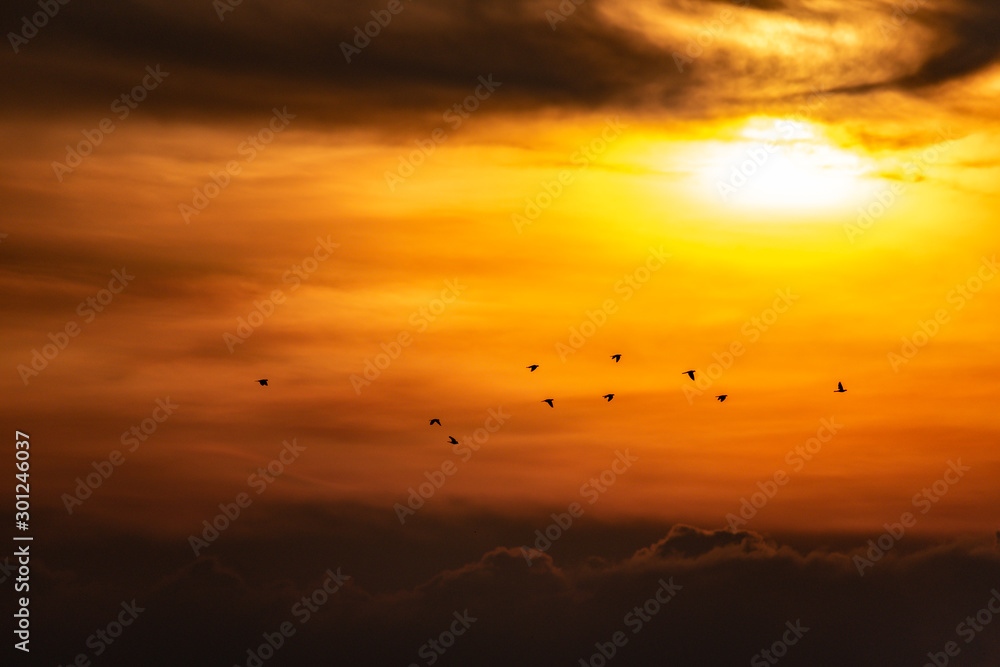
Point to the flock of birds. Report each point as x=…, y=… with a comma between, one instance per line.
x=617, y=357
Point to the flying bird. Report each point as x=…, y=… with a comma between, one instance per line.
x=721, y=397
x=452, y=440
x=532, y=367
x=608, y=396
x=840, y=388
x=690, y=374
x=263, y=382
x=435, y=421
x=616, y=357
x=549, y=401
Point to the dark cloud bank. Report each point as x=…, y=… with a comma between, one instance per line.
x=723, y=596
x=430, y=54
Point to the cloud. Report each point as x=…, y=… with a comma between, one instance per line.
x=690, y=542
x=603, y=55
x=736, y=593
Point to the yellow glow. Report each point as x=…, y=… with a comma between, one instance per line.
x=783, y=164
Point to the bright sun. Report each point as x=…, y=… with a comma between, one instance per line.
x=782, y=164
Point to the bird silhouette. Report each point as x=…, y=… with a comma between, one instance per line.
x=721, y=397
x=840, y=388
x=608, y=396
x=452, y=440
x=435, y=421
x=263, y=382
x=549, y=401
x=532, y=367
x=690, y=374
x=616, y=357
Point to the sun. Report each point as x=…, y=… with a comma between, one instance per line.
x=783, y=164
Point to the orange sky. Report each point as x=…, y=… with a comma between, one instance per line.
x=522, y=289
x=389, y=211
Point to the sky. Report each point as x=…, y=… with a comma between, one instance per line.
x=389, y=211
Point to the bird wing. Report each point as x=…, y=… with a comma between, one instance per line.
x=840, y=385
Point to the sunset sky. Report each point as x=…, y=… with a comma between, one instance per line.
x=390, y=227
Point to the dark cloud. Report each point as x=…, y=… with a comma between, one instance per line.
x=689, y=542
x=736, y=593
x=430, y=56
x=965, y=44
x=973, y=43
x=264, y=55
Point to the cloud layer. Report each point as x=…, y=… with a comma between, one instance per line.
x=673, y=57
x=722, y=598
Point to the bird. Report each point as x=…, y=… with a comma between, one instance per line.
x=452, y=440
x=840, y=388
x=435, y=421
x=532, y=367
x=721, y=397
x=690, y=374
x=263, y=382
x=608, y=396
x=616, y=357
x=549, y=401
